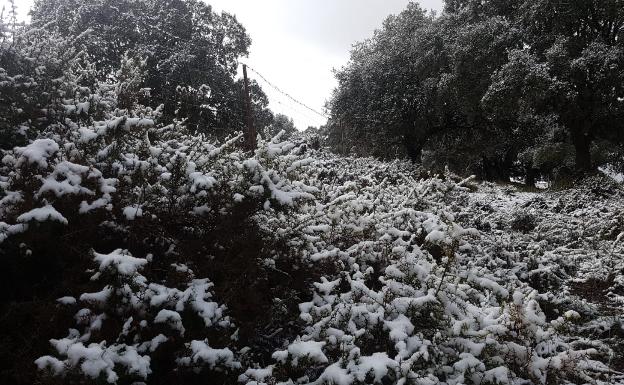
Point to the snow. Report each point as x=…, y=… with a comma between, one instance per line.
x=86, y=135
x=83, y=108
x=95, y=360
x=400, y=328
x=196, y=295
x=326, y=286
x=377, y=302
x=378, y=364
x=66, y=300
x=499, y=375
x=488, y=284
x=202, y=352
x=616, y=176
x=42, y=214
x=334, y=374
x=38, y=152
x=572, y=315
x=171, y=318
x=435, y=236
x=66, y=179
x=201, y=181
x=121, y=261
x=156, y=342
x=96, y=204
x=99, y=297
x=7, y=230
x=257, y=375
x=132, y=212
x=52, y=363
x=298, y=350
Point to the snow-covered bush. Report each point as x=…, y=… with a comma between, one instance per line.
x=414, y=302
x=106, y=179
x=364, y=267
x=182, y=260
x=146, y=319
x=157, y=256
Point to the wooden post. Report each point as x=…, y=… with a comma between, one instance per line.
x=250, y=137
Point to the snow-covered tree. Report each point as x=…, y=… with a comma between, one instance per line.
x=190, y=53
x=486, y=84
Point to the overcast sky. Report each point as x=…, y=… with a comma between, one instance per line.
x=297, y=43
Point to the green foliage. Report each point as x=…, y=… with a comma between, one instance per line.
x=183, y=206
x=40, y=72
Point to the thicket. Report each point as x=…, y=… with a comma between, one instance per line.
x=492, y=88
x=177, y=54
x=107, y=113
x=137, y=248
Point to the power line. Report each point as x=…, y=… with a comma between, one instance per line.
x=286, y=94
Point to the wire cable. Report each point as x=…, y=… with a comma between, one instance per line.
x=286, y=94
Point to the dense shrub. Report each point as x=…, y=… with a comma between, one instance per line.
x=207, y=264
x=136, y=250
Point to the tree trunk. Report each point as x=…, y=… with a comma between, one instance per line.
x=582, y=145
x=413, y=144
x=530, y=176
x=414, y=151
x=496, y=168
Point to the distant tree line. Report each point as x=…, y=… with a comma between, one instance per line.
x=178, y=54
x=497, y=88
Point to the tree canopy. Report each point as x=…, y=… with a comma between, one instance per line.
x=178, y=53
x=496, y=88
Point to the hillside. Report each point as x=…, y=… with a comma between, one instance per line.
x=153, y=256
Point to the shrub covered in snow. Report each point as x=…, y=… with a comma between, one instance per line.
x=135, y=251
x=180, y=260
x=152, y=215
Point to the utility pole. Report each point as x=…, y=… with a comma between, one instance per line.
x=250, y=134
